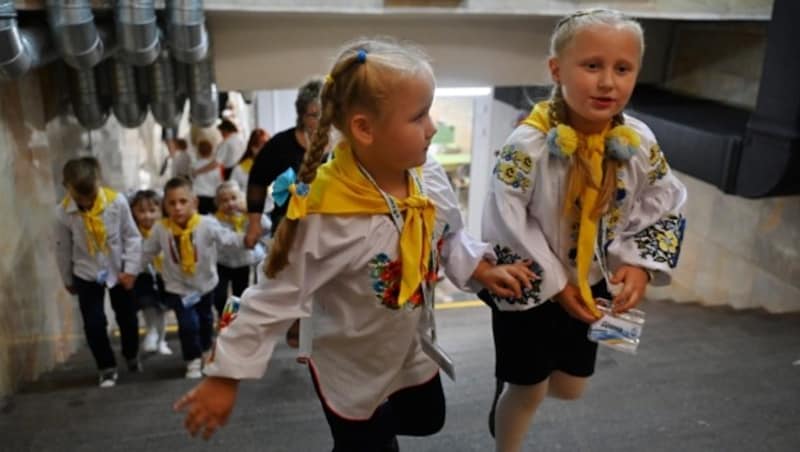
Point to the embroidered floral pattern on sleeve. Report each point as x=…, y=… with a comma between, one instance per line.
x=513, y=168
x=658, y=164
x=229, y=313
x=529, y=296
x=661, y=242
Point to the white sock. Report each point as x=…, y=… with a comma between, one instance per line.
x=515, y=410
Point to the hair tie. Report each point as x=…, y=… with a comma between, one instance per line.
x=362, y=56
x=328, y=79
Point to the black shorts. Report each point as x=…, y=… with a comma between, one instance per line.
x=529, y=345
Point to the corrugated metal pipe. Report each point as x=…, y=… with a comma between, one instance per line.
x=137, y=31
x=204, y=107
x=21, y=49
x=88, y=103
x=186, y=30
x=74, y=32
x=166, y=95
x=128, y=102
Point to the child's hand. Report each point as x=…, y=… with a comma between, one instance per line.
x=208, y=405
x=71, y=290
x=570, y=299
x=634, y=280
x=127, y=280
x=507, y=280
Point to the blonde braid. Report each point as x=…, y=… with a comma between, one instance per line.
x=284, y=236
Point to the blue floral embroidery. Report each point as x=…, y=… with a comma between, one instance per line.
x=658, y=164
x=513, y=168
x=532, y=295
x=661, y=242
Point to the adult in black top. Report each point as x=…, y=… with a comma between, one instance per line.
x=284, y=150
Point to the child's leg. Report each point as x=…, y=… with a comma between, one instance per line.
x=565, y=386
x=515, y=410
x=240, y=279
x=124, y=307
x=221, y=291
x=188, y=327
x=418, y=410
x=205, y=318
x=91, y=297
x=415, y=411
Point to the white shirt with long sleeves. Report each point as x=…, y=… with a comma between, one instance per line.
x=523, y=216
x=236, y=256
x=230, y=151
x=206, y=183
x=363, y=351
x=207, y=237
x=122, y=239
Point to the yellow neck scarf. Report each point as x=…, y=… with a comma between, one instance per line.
x=158, y=261
x=236, y=220
x=93, y=220
x=185, y=234
x=591, y=150
x=246, y=164
x=340, y=188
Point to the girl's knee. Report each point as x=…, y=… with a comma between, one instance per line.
x=566, y=387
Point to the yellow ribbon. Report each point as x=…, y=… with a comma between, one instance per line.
x=236, y=220
x=246, y=164
x=590, y=149
x=93, y=220
x=188, y=259
x=158, y=261
x=340, y=188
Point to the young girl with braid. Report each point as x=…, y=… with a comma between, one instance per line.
x=364, y=237
x=584, y=191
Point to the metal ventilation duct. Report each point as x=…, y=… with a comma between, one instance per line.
x=166, y=97
x=186, y=30
x=74, y=31
x=88, y=103
x=204, y=107
x=128, y=102
x=137, y=31
x=20, y=49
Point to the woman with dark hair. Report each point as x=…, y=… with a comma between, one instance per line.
x=283, y=151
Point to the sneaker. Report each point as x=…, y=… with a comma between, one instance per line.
x=150, y=342
x=498, y=389
x=108, y=378
x=163, y=348
x=194, y=368
x=134, y=365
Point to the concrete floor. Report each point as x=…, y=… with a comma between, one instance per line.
x=704, y=379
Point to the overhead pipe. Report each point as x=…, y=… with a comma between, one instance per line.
x=167, y=96
x=186, y=30
x=20, y=49
x=76, y=36
x=128, y=102
x=88, y=103
x=204, y=107
x=137, y=31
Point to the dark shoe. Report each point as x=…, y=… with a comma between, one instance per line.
x=134, y=365
x=498, y=389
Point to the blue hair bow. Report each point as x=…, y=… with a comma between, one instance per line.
x=282, y=187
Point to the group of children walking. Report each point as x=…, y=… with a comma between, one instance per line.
x=581, y=199
x=183, y=262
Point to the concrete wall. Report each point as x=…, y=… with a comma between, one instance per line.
x=718, y=61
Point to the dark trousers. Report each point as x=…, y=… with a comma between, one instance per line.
x=195, y=324
x=206, y=205
x=238, y=278
x=91, y=299
x=415, y=411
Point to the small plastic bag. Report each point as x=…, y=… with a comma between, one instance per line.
x=617, y=331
